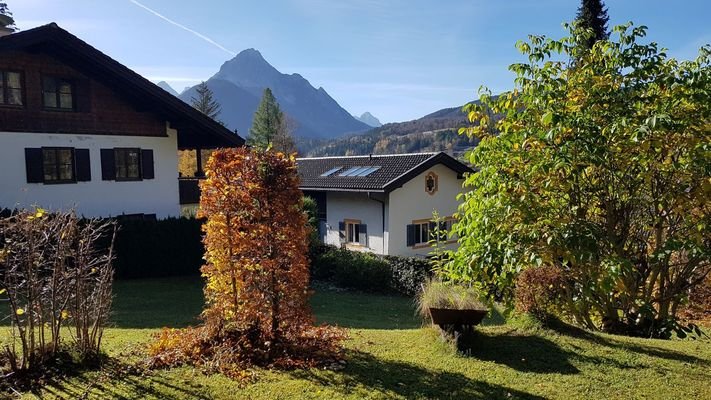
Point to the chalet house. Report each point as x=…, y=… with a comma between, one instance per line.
x=383, y=203
x=78, y=129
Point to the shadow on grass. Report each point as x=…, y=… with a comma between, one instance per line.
x=390, y=378
x=525, y=353
x=102, y=383
x=566, y=329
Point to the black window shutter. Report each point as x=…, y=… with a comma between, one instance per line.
x=342, y=231
x=83, y=165
x=411, y=235
x=33, y=165
x=108, y=165
x=147, y=164
x=363, y=234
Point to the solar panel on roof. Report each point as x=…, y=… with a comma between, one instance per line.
x=348, y=171
x=331, y=171
x=368, y=171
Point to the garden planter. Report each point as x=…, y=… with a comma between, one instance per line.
x=448, y=318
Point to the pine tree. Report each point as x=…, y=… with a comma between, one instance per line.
x=6, y=20
x=592, y=14
x=270, y=128
x=205, y=101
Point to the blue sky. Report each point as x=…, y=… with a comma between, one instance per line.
x=397, y=59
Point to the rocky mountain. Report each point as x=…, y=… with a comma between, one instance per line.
x=370, y=120
x=240, y=82
x=437, y=131
x=165, y=86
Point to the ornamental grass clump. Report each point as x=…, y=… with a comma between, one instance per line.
x=257, y=310
x=446, y=295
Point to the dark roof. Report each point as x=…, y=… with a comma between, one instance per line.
x=395, y=170
x=194, y=128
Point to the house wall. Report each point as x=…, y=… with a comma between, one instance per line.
x=411, y=202
x=357, y=206
x=97, y=197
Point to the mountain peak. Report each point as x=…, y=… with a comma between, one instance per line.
x=165, y=86
x=370, y=120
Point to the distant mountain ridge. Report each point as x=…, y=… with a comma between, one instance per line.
x=369, y=119
x=437, y=131
x=165, y=86
x=240, y=82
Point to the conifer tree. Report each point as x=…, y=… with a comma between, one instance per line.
x=6, y=20
x=592, y=14
x=270, y=127
x=205, y=101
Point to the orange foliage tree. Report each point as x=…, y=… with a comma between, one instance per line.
x=256, y=271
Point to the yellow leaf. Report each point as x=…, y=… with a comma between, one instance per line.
x=3, y=291
x=65, y=314
x=19, y=311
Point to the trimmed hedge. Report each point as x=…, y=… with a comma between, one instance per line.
x=369, y=272
x=162, y=248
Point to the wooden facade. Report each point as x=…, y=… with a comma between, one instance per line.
x=97, y=108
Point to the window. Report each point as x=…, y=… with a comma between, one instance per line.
x=58, y=164
x=353, y=232
x=128, y=164
x=10, y=88
x=57, y=93
x=421, y=232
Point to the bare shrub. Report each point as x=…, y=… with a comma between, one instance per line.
x=54, y=282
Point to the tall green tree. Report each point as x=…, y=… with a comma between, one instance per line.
x=601, y=170
x=6, y=19
x=270, y=127
x=205, y=101
x=592, y=15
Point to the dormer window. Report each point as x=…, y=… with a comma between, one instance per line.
x=10, y=88
x=57, y=93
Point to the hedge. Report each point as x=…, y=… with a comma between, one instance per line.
x=369, y=272
x=162, y=248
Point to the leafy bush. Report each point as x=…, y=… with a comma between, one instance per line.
x=53, y=276
x=369, y=272
x=538, y=291
x=256, y=269
x=151, y=249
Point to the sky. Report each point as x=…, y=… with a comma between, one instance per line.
x=398, y=59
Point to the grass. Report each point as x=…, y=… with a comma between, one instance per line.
x=391, y=356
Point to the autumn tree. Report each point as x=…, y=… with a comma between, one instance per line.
x=256, y=271
x=601, y=171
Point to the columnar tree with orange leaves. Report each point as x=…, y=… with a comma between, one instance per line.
x=257, y=273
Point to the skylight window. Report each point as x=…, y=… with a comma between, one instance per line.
x=331, y=171
x=359, y=171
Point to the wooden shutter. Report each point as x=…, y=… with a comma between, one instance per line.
x=411, y=234
x=363, y=234
x=34, y=166
x=147, y=164
x=342, y=231
x=83, y=165
x=108, y=165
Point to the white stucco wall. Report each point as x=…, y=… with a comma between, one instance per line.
x=411, y=202
x=356, y=206
x=97, y=197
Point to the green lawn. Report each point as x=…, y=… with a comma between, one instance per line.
x=391, y=356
